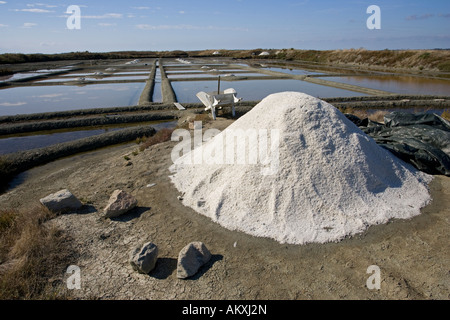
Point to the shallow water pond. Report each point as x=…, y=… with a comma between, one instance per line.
x=95, y=78
x=251, y=90
x=398, y=84
x=28, y=142
x=34, y=99
x=291, y=71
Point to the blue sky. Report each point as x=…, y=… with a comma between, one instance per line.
x=30, y=27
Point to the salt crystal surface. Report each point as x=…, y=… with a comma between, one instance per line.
x=331, y=179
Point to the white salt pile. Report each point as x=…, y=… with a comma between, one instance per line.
x=330, y=180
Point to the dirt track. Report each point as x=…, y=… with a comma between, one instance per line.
x=412, y=254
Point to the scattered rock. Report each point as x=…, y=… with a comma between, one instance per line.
x=61, y=201
x=143, y=259
x=191, y=258
x=119, y=203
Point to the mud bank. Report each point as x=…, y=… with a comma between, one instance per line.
x=35, y=126
x=14, y=163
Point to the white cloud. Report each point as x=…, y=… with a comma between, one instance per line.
x=181, y=12
x=3, y=2
x=185, y=27
x=141, y=8
x=105, y=16
x=29, y=25
x=12, y=104
x=41, y=5
x=35, y=10
x=107, y=24
x=52, y=95
x=421, y=17
x=3, y=25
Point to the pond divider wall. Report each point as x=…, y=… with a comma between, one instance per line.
x=168, y=94
x=147, y=92
x=34, y=126
x=12, y=164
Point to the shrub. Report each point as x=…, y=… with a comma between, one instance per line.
x=160, y=136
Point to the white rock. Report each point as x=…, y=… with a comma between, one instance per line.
x=60, y=201
x=191, y=258
x=143, y=258
x=119, y=203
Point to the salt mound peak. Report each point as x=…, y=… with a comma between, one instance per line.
x=329, y=179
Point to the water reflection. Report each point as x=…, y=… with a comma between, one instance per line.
x=398, y=84
x=252, y=90
x=28, y=142
x=33, y=99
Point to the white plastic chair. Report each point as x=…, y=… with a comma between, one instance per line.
x=211, y=100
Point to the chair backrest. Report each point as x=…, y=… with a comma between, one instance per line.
x=205, y=98
x=229, y=90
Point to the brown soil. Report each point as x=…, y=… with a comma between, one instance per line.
x=412, y=254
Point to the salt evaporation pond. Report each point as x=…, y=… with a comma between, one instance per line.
x=253, y=90
x=291, y=71
x=398, y=84
x=95, y=78
x=35, y=99
x=28, y=142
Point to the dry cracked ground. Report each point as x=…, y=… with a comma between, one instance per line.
x=413, y=255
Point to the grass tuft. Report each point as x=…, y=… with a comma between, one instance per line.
x=32, y=252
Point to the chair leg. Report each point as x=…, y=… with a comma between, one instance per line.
x=213, y=111
x=233, y=110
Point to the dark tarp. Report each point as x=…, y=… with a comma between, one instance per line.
x=422, y=139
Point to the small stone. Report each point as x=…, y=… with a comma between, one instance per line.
x=119, y=203
x=61, y=201
x=143, y=258
x=191, y=258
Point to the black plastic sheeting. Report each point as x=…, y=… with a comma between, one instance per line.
x=422, y=139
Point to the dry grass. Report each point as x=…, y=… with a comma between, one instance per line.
x=159, y=137
x=417, y=60
x=31, y=254
x=377, y=116
x=446, y=114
